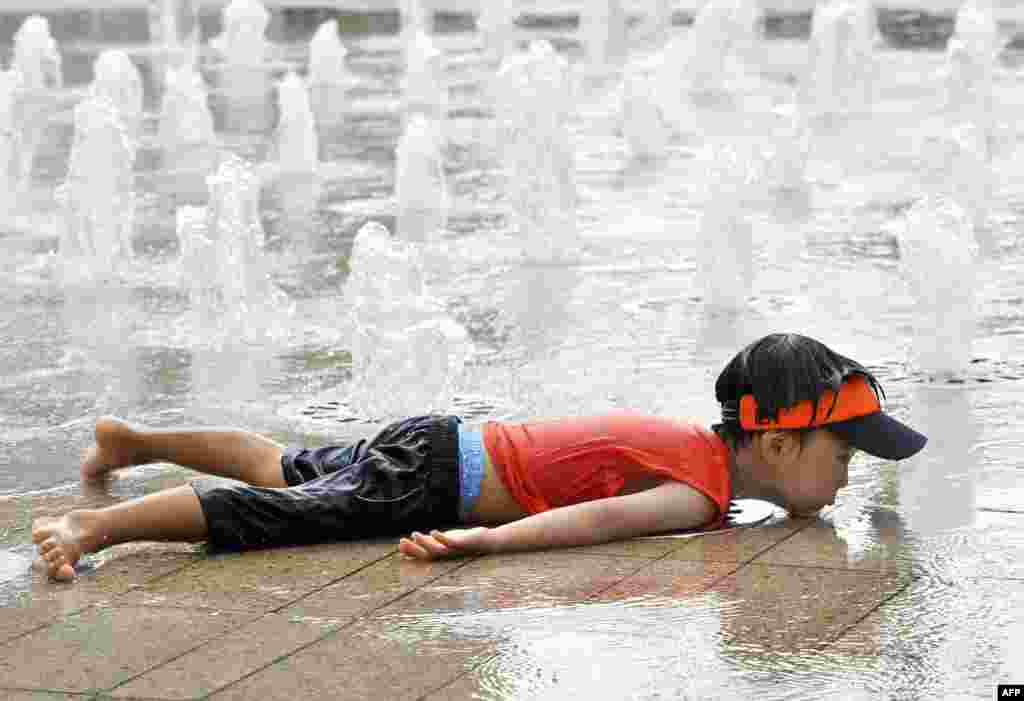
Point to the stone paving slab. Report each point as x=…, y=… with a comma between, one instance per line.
x=818, y=545
x=667, y=580
x=227, y=659
x=739, y=545
x=36, y=600
x=241, y=652
x=373, y=587
x=647, y=548
x=672, y=630
x=964, y=633
x=32, y=600
x=45, y=696
x=992, y=547
x=363, y=661
x=260, y=581
x=797, y=609
x=544, y=578
x=100, y=647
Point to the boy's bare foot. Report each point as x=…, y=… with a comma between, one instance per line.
x=62, y=541
x=115, y=447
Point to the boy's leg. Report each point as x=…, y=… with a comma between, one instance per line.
x=225, y=452
x=169, y=515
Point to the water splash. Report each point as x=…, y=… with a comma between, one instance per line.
x=36, y=57
x=841, y=69
x=36, y=66
x=644, y=124
x=725, y=241
x=976, y=27
x=407, y=355
x=329, y=77
x=243, y=41
x=496, y=24
x=420, y=181
x=327, y=57
x=174, y=28
x=186, y=132
x=297, y=144
x=534, y=93
x=98, y=194
x=938, y=258
x=787, y=150
x=970, y=65
x=245, y=94
x=723, y=30
x=423, y=85
x=603, y=32
x=10, y=147
x=118, y=80
x=656, y=21
x=957, y=165
x=223, y=264
x=416, y=19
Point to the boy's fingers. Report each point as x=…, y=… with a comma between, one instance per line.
x=430, y=544
x=414, y=550
x=443, y=539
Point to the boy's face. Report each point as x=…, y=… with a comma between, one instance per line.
x=809, y=474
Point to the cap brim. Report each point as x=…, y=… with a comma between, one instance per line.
x=880, y=435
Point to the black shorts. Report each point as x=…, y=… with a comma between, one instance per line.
x=405, y=478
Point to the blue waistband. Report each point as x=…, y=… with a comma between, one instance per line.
x=471, y=468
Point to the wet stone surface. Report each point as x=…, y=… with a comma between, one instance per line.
x=102, y=646
x=229, y=657
x=389, y=660
x=258, y=581
x=910, y=588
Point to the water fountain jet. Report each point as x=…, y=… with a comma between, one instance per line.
x=842, y=69
x=174, y=28
x=37, y=66
x=534, y=92
x=603, y=32
x=223, y=263
x=420, y=188
x=407, y=354
x=725, y=264
x=298, y=148
x=98, y=195
x=118, y=80
x=186, y=134
x=938, y=256
x=423, y=85
x=244, y=83
x=496, y=24
x=643, y=122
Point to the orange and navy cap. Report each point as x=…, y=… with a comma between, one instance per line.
x=854, y=414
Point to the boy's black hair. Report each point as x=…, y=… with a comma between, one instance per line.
x=781, y=370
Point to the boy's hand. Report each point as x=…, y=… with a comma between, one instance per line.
x=454, y=543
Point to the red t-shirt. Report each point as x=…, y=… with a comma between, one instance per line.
x=547, y=464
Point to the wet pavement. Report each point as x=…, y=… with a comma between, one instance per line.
x=912, y=587
x=789, y=609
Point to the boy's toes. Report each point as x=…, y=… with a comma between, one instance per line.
x=39, y=533
x=52, y=554
x=63, y=573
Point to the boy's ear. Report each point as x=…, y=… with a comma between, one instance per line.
x=779, y=446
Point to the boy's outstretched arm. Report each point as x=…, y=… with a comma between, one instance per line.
x=668, y=507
